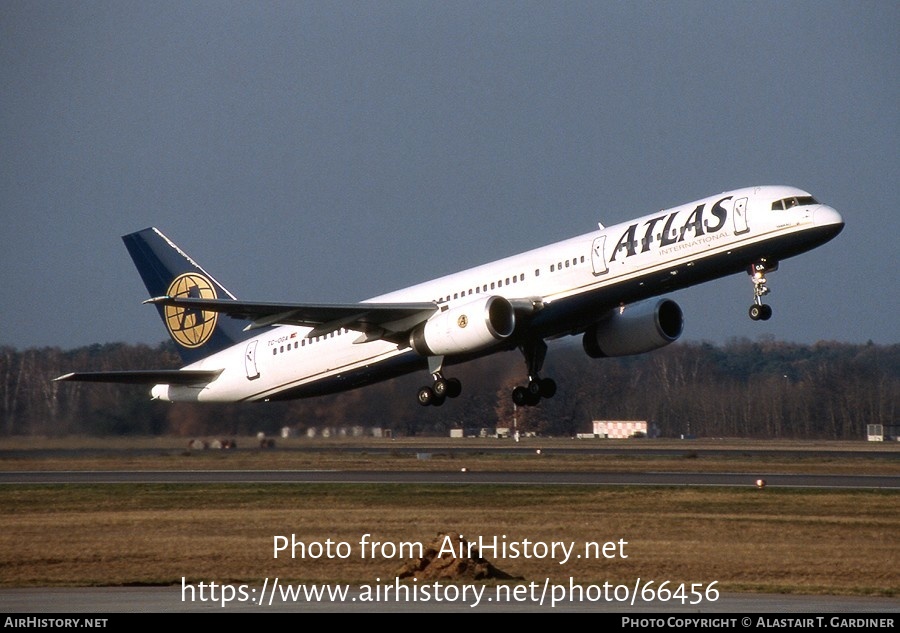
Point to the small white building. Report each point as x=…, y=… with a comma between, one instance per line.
x=622, y=429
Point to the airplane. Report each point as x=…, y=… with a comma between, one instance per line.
x=606, y=286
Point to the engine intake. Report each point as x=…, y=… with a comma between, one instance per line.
x=638, y=328
x=466, y=328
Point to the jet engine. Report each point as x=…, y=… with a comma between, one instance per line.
x=635, y=329
x=465, y=328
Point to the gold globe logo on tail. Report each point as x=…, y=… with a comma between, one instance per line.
x=190, y=327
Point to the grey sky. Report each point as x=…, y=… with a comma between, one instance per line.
x=333, y=151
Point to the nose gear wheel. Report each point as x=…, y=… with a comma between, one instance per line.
x=760, y=311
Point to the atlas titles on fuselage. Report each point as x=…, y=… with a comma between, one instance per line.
x=695, y=225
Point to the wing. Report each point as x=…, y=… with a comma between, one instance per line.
x=147, y=376
x=389, y=321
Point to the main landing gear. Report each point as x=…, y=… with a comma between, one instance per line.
x=527, y=395
x=441, y=389
x=537, y=387
x=760, y=311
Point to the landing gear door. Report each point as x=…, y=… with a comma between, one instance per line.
x=250, y=361
x=598, y=256
x=740, y=216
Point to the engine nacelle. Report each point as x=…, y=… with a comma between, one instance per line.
x=638, y=328
x=466, y=328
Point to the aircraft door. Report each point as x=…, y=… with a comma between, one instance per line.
x=250, y=360
x=740, y=216
x=598, y=256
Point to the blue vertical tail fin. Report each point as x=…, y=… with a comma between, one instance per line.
x=167, y=270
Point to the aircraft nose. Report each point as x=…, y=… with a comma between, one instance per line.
x=826, y=216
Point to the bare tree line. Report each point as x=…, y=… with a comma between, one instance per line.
x=762, y=389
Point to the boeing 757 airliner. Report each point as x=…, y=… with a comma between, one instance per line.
x=606, y=286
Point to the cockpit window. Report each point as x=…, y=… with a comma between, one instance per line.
x=796, y=201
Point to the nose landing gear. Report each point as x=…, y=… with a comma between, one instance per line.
x=760, y=311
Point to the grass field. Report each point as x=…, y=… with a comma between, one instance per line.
x=744, y=539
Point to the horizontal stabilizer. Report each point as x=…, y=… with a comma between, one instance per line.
x=148, y=376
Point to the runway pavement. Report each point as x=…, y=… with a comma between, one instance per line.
x=881, y=482
x=102, y=600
